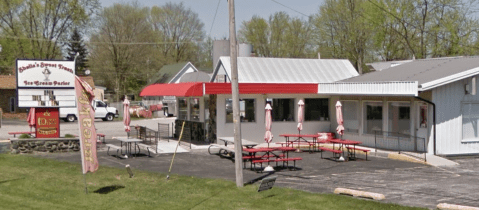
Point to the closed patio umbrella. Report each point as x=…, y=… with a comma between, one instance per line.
x=268, y=136
x=31, y=118
x=300, y=115
x=126, y=115
x=339, y=118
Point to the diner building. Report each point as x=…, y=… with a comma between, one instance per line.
x=426, y=106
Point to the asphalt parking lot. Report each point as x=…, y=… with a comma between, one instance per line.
x=405, y=183
x=401, y=182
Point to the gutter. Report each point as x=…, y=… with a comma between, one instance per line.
x=433, y=119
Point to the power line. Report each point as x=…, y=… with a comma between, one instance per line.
x=109, y=43
x=213, y=23
x=289, y=8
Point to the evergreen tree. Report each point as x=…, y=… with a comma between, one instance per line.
x=76, y=46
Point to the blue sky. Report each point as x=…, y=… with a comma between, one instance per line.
x=245, y=9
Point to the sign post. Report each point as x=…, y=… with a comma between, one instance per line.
x=267, y=183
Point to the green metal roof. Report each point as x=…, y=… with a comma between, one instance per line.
x=168, y=72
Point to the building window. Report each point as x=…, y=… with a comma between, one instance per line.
x=350, y=116
x=183, y=109
x=194, y=109
x=283, y=109
x=316, y=109
x=247, y=110
x=470, y=120
x=399, y=120
x=373, y=117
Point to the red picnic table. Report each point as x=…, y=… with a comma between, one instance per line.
x=21, y=132
x=299, y=138
x=269, y=156
x=350, y=145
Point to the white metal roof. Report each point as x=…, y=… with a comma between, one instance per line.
x=429, y=73
x=389, y=88
x=288, y=70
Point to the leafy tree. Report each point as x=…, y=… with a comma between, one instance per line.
x=75, y=46
x=43, y=23
x=343, y=32
x=280, y=36
x=179, y=30
x=123, y=53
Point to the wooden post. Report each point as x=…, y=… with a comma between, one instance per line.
x=235, y=95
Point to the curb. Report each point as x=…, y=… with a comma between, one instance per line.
x=357, y=193
x=454, y=207
x=406, y=158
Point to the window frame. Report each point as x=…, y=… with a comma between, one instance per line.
x=294, y=115
x=254, y=108
x=358, y=115
x=410, y=118
x=364, y=115
x=326, y=119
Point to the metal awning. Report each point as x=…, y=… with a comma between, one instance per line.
x=179, y=89
x=200, y=89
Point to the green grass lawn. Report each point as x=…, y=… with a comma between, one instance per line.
x=34, y=183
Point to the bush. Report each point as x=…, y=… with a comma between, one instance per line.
x=24, y=136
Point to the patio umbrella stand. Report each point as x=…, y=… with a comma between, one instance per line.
x=339, y=118
x=126, y=117
x=268, y=136
x=300, y=121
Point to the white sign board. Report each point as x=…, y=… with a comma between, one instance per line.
x=43, y=83
x=169, y=99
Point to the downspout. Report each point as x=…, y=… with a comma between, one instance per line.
x=433, y=119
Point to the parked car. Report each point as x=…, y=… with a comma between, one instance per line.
x=102, y=111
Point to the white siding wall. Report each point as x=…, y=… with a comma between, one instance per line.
x=448, y=100
x=254, y=131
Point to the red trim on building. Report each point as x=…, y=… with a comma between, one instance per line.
x=262, y=88
x=179, y=89
x=196, y=89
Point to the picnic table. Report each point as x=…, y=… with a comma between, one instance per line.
x=269, y=155
x=21, y=132
x=129, y=142
x=244, y=142
x=300, y=139
x=350, y=145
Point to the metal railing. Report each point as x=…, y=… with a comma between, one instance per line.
x=164, y=131
x=147, y=135
x=400, y=142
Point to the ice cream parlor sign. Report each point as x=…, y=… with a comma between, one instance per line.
x=45, y=74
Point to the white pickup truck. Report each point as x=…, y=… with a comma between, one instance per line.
x=102, y=111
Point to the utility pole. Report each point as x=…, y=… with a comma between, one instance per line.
x=235, y=94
